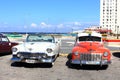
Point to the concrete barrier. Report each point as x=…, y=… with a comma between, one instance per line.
x=112, y=42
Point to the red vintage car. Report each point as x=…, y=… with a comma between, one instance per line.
x=89, y=50
x=5, y=44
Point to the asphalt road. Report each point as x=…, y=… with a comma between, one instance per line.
x=61, y=69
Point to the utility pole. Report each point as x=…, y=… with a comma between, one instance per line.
x=117, y=32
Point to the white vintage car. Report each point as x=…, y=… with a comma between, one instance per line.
x=38, y=48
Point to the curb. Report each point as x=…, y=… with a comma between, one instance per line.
x=63, y=54
x=115, y=51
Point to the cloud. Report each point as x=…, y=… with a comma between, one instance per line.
x=34, y=25
x=77, y=23
x=65, y=27
x=4, y=24
x=72, y=25
x=60, y=25
x=44, y=25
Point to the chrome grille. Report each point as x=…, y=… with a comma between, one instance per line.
x=90, y=57
x=31, y=55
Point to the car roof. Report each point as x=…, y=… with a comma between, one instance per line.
x=89, y=34
x=2, y=35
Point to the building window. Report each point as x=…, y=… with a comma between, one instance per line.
x=107, y=26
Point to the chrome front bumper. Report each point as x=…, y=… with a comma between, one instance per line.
x=30, y=60
x=103, y=62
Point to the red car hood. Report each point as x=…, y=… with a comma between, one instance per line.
x=90, y=46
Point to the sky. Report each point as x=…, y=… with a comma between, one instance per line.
x=48, y=15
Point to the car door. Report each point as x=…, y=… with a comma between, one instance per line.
x=57, y=46
x=5, y=45
x=0, y=44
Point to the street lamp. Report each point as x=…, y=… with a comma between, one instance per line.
x=117, y=32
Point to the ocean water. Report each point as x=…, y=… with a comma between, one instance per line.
x=19, y=34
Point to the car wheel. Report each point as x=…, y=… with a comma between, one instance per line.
x=15, y=64
x=51, y=64
x=58, y=55
x=104, y=67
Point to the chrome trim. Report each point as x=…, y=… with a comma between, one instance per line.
x=15, y=59
x=28, y=55
x=90, y=57
x=95, y=62
x=38, y=58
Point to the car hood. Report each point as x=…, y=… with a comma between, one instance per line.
x=90, y=46
x=35, y=46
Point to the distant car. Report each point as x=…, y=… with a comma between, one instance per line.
x=5, y=44
x=89, y=50
x=38, y=48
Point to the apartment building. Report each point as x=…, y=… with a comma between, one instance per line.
x=110, y=15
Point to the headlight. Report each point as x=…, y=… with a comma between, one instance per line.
x=49, y=50
x=105, y=54
x=14, y=49
x=18, y=55
x=76, y=53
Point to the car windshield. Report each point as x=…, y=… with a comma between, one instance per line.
x=40, y=38
x=90, y=38
x=4, y=39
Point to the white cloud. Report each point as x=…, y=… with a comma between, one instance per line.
x=44, y=25
x=73, y=25
x=60, y=25
x=77, y=23
x=4, y=24
x=34, y=25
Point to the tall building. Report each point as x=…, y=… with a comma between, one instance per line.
x=110, y=15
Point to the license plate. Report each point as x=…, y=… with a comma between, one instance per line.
x=30, y=61
x=92, y=62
